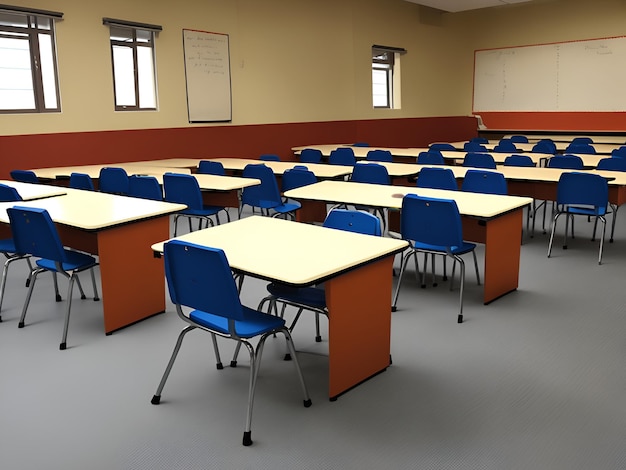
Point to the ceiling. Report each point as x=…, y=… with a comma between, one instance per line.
x=453, y=6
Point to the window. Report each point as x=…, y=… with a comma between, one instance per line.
x=28, y=65
x=386, y=77
x=134, y=72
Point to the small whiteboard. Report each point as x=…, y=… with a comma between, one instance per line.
x=207, y=75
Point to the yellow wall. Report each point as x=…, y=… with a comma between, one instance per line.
x=299, y=60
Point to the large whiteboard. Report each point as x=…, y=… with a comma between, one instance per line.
x=582, y=76
x=207, y=74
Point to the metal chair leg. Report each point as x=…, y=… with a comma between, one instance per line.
x=156, y=399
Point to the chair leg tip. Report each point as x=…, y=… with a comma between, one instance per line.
x=459, y=319
x=156, y=399
x=307, y=403
x=59, y=298
x=247, y=438
x=233, y=363
x=63, y=346
x=220, y=366
x=287, y=357
x=20, y=324
x=318, y=339
x=96, y=299
x=394, y=308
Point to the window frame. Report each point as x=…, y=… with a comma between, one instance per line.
x=390, y=65
x=31, y=34
x=134, y=44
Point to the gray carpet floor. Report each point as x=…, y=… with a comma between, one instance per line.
x=535, y=380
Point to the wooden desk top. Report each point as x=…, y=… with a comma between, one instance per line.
x=30, y=191
x=471, y=204
x=291, y=252
x=189, y=163
x=224, y=183
x=94, y=170
x=91, y=210
x=321, y=170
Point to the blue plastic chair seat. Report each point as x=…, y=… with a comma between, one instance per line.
x=466, y=247
x=74, y=260
x=7, y=245
x=256, y=323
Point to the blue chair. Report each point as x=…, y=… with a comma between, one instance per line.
x=584, y=194
x=35, y=234
x=432, y=157
x=113, y=180
x=210, y=167
x=505, y=146
x=81, y=181
x=342, y=156
x=486, y=182
x=433, y=226
x=184, y=189
x=582, y=140
x=379, y=155
x=269, y=157
x=519, y=139
x=479, y=160
x=24, y=176
x=145, y=187
x=519, y=160
x=619, y=152
x=314, y=298
x=437, y=178
x=204, y=293
x=440, y=146
x=568, y=162
x=580, y=148
x=311, y=156
x=612, y=164
x=297, y=177
x=472, y=146
x=7, y=245
x=266, y=195
x=372, y=173
x=545, y=146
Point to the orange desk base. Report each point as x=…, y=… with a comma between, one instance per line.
x=133, y=281
x=359, y=329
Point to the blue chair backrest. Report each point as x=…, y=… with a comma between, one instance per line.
x=474, y=147
x=441, y=146
x=519, y=139
x=370, y=173
x=487, y=182
x=34, y=233
x=430, y=220
x=209, y=167
x=570, y=162
x=146, y=187
x=342, y=156
x=182, y=189
x=479, y=160
x=353, y=221
x=612, y=164
x=81, y=181
x=505, y=145
x=437, y=178
x=265, y=195
x=545, y=146
x=582, y=140
x=582, y=188
x=269, y=157
x=311, y=156
x=113, y=180
x=297, y=177
x=9, y=193
x=379, y=155
x=432, y=157
x=519, y=160
x=200, y=277
x=619, y=152
x=24, y=176
x=581, y=148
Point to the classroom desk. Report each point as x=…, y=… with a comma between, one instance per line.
x=601, y=148
x=321, y=170
x=64, y=172
x=493, y=220
x=30, y=191
x=356, y=271
x=120, y=230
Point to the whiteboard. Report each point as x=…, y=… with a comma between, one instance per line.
x=207, y=76
x=579, y=76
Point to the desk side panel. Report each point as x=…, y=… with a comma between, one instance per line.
x=359, y=305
